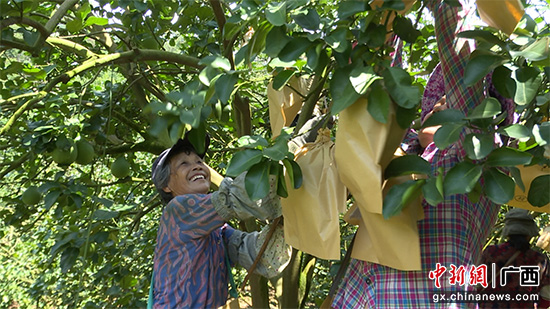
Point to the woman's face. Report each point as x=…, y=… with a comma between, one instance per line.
x=188, y=175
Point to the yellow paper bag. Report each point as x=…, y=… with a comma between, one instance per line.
x=285, y=104
x=364, y=147
x=311, y=212
x=503, y=14
x=392, y=242
x=528, y=174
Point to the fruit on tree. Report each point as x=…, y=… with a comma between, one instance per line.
x=85, y=152
x=31, y=196
x=120, y=168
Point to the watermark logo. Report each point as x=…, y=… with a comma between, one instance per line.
x=482, y=276
x=529, y=275
x=476, y=275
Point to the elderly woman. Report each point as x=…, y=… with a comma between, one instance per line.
x=515, y=253
x=194, y=242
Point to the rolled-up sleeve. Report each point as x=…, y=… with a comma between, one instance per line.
x=243, y=248
x=231, y=201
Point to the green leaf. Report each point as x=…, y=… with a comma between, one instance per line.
x=461, y=178
x=74, y=25
x=280, y=80
x=191, y=117
x=208, y=75
x=276, y=40
x=498, y=187
x=350, y=8
x=242, y=161
x=517, y=131
x=480, y=64
x=51, y=198
x=482, y=35
x=396, y=5
x=398, y=83
x=253, y=141
x=503, y=81
x=378, y=103
x=30, y=37
x=405, y=116
x=445, y=116
x=447, y=134
x=507, y=156
x=341, y=90
x=489, y=108
x=516, y=175
x=542, y=133
x=216, y=62
x=478, y=146
x=313, y=56
x=230, y=29
x=403, y=28
x=197, y=137
x=374, y=36
x=68, y=258
x=101, y=214
x=94, y=20
x=539, y=195
x=432, y=193
x=405, y=165
x=278, y=151
x=258, y=41
x=294, y=49
x=536, y=51
x=276, y=13
x=294, y=172
x=528, y=82
x=475, y=195
x=225, y=85
x=256, y=181
x=361, y=77
x=281, y=183
x=401, y=195
x=310, y=20
x=338, y=40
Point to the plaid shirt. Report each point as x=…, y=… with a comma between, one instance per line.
x=189, y=262
x=453, y=232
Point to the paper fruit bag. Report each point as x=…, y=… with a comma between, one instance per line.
x=503, y=14
x=364, y=147
x=311, y=212
x=284, y=104
x=392, y=242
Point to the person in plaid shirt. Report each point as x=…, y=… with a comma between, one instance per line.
x=452, y=233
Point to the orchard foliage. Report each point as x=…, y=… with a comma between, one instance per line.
x=91, y=91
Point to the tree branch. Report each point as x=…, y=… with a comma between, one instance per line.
x=15, y=164
x=143, y=146
x=124, y=119
x=129, y=56
x=24, y=21
x=58, y=15
x=21, y=96
x=71, y=46
x=220, y=19
x=242, y=115
x=311, y=101
x=21, y=110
